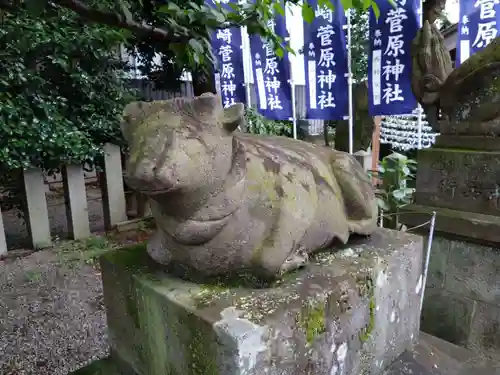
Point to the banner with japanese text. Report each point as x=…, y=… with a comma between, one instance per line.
x=477, y=26
x=326, y=64
x=227, y=47
x=389, y=63
x=272, y=74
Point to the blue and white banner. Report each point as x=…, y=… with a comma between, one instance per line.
x=227, y=47
x=389, y=63
x=326, y=64
x=477, y=26
x=272, y=75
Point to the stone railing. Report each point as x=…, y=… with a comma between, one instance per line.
x=73, y=180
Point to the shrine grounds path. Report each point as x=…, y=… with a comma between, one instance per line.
x=52, y=318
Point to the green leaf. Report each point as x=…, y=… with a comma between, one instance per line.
x=279, y=8
x=382, y=204
x=307, y=13
x=346, y=4
x=196, y=46
x=376, y=10
x=279, y=52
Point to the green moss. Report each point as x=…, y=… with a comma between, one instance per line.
x=133, y=256
x=367, y=290
x=201, y=351
x=208, y=293
x=365, y=335
x=312, y=320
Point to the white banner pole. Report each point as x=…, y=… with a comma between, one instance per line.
x=349, y=81
x=419, y=108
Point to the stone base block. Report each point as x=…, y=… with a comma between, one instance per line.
x=463, y=180
x=468, y=142
x=351, y=312
x=473, y=226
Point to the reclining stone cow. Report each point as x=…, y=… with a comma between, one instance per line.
x=226, y=201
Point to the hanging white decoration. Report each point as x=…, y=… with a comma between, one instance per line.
x=402, y=132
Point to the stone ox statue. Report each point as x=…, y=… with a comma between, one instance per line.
x=225, y=201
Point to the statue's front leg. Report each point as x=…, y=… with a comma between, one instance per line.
x=294, y=261
x=157, y=248
x=275, y=261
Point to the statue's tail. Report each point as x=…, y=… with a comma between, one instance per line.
x=357, y=191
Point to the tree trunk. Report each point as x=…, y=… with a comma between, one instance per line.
x=203, y=81
x=325, y=132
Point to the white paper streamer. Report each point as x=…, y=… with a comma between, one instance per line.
x=402, y=132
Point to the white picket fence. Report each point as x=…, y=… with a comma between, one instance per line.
x=75, y=196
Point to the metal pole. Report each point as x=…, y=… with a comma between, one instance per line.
x=248, y=55
x=419, y=108
x=349, y=81
x=419, y=126
x=294, y=110
x=292, y=88
x=427, y=257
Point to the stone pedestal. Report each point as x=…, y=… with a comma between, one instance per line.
x=351, y=312
x=461, y=184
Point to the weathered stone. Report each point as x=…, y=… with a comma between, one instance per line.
x=473, y=271
x=468, y=142
x=440, y=254
x=351, y=312
x=474, y=227
x=433, y=356
x=464, y=180
x=485, y=330
x=447, y=316
x=225, y=201
x=461, y=101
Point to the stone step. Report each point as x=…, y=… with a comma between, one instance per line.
x=433, y=356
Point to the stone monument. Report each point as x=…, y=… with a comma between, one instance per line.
x=459, y=178
x=234, y=282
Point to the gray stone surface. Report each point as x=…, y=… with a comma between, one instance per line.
x=447, y=316
x=463, y=180
x=474, y=271
x=433, y=356
x=485, y=330
x=464, y=142
x=473, y=226
x=462, y=302
x=348, y=313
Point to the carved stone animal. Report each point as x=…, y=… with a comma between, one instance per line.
x=226, y=201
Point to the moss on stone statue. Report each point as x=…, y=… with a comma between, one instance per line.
x=312, y=319
x=366, y=290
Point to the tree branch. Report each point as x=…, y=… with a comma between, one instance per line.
x=115, y=20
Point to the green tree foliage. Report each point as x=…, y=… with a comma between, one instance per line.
x=359, y=44
x=61, y=89
x=178, y=30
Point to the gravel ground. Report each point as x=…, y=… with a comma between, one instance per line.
x=52, y=320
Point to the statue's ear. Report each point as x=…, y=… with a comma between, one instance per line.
x=133, y=114
x=234, y=116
